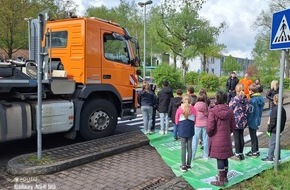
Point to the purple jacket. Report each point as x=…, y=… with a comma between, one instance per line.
x=220, y=125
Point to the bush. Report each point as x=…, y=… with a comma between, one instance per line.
x=266, y=81
x=191, y=78
x=166, y=72
x=286, y=83
x=209, y=82
x=223, y=82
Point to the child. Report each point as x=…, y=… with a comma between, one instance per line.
x=272, y=128
x=220, y=125
x=200, y=126
x=239, y=104
x=256, y=105
x=173, y=106
x=185, y=119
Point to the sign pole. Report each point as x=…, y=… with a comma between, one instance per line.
x=278, y=125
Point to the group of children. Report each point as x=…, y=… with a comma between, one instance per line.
x=194, y=117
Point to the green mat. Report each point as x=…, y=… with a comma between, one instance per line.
x=204, y=171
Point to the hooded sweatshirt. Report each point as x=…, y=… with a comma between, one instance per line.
x=256, y=105
x=202, y=113
x=163, y=99
x=220, y=125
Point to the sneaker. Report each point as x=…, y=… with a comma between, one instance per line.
x=250, y=153
x=151, y=132
x=183, y=168
x=242, y=157
x=188, y=167
x=236, y=157
x=267, y=159
x=161, y=132
x=165, y=132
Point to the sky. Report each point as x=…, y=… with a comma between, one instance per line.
x=239, y=36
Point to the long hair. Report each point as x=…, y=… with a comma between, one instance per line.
x=240, y=89
x=186, y=103
x=274, y=85
x=146, y=86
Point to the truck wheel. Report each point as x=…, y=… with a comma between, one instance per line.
x=98, y=119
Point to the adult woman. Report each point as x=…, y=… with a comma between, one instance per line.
x=220, y=124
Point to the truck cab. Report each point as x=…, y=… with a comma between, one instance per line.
x=89, y=71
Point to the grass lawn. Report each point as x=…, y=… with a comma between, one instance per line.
x=268, y=179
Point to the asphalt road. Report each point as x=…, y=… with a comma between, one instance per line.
x=11, y=149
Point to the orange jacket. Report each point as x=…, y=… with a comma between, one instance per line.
x=246, y=83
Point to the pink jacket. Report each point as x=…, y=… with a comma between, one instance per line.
x=202, y=114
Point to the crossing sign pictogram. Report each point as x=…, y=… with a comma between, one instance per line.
x=280, y=36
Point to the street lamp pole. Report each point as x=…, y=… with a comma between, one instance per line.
x=29, y=35
x=144, y=61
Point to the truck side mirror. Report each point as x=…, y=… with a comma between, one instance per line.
x=138, y=72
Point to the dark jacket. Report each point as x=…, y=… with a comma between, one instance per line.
x=232, y=83
x=146, y=98
x=220, y=125
x=163, y=99
x=185, y=127
x=256, y=105
x=273, y=120
x=173, y=106
x=270, y=94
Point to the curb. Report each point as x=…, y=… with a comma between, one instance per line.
x=79, y=155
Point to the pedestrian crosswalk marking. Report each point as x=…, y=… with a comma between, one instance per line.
x=138, y=122
x=283, y=32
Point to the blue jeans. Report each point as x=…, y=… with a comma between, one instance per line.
x=195, y=139
x=147, y=117
x=175, y=131
x=164, y=122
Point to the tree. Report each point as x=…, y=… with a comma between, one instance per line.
x=230, y=64
x=267, y=61
x=180, y=28
x=264, y=21
x=126, y=14
x=13, y=27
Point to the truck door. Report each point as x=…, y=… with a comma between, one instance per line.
x=116, y=67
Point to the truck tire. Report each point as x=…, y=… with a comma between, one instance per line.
x=98, y=119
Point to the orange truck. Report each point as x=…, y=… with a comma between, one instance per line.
x=89, y=80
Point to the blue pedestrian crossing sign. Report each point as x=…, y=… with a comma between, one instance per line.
x=280, y=36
